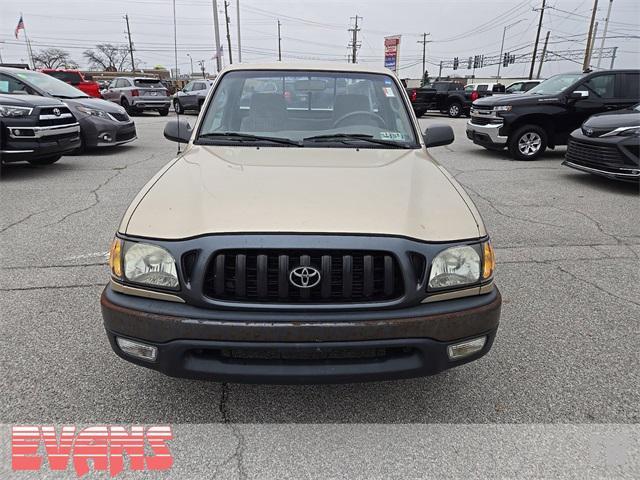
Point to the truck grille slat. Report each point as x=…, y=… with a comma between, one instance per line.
x=263, y=276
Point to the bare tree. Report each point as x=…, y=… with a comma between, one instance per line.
x=53, y=58
x=109, y=57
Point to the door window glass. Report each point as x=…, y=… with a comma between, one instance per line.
x=602, y=85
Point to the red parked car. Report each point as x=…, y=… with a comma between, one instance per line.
x=77, y=79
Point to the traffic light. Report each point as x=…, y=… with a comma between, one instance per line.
x=469, y=63
x=456, y=62
x=505, y=59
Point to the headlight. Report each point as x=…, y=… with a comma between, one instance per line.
x=9, y=111
x=93, y=112
x=502, y=108
x=623, y=132
x=463, y=265
x=143, y=263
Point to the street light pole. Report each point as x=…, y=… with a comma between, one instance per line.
x=191, y=58
x=502, y=46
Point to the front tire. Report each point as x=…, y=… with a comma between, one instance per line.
x=46, y=160
x=420, y=112
x=177, y=107
x=455, y=109
x=163, y=112
x=528, y=142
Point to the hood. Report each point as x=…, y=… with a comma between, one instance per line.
x=216, y=189
x=515, y=99
x=97, y=103
x=28, y=100
x=610, y=120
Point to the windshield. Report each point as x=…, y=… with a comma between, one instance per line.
x=555, y=84
x=50, y=85
x=340, y=108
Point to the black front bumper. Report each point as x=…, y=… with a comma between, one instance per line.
x=614, y=157
x=95, y=129
x=288, y=347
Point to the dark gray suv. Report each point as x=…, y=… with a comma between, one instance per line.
x=192, y=96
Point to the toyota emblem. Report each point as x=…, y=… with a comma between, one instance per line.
x=56, y=112
x=588, y=132
x=304, y=277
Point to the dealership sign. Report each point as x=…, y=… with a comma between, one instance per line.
x=105, y=447
x=391, y=52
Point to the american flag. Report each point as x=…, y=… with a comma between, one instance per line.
x=19, y=27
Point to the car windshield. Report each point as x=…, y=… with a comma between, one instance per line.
x=68, y=77
x=555, y=84
x=148, y=82
x=308, y=108
x=52, y=86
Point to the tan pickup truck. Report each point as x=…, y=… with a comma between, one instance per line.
x=304, y=235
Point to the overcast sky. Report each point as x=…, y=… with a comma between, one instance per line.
x=317, y=30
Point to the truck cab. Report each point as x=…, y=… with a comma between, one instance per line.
x=526, y=124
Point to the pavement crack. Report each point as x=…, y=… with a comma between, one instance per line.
x=596, y=286
x=238, y=454
x=24, y=219
x=52, y=287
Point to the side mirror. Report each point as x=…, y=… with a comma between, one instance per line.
x=579, y=94
x=438, y=135
x=178, y=131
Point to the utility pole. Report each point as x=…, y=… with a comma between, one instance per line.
x=535, y=46
x=424, y=52
x=216, y=31
x=239, y=44
x=226, y=17
x=354, y=41
x=202, y=69
x=544, y=52
x=279, y=43
x=133, y=66
x=593, y=43
x=604, y=34
x=439, y=71
x=613, y=57
x=587, y=52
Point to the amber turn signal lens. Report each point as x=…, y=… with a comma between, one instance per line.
x=115, y=258
x=488, y=260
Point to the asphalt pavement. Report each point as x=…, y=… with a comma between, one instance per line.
x=568, y=250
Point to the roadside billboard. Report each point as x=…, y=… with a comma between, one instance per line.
x=392, y=52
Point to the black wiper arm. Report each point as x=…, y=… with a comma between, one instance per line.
x=250, y=137
x=353, y=136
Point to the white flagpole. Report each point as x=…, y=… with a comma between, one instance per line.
x=26, y=39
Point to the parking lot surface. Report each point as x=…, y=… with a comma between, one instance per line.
x=568, y=250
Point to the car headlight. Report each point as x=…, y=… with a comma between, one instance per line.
x=10, y=111
x=623, y=132
x=93, y=112
x=502, y=108
x=143, y=263
x=462, y=265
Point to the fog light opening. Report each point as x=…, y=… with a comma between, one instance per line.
x=138, y=350
x=106, y=137
x=462, y=350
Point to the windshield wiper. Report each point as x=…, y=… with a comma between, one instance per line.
x=250, y=138
x=342, y=137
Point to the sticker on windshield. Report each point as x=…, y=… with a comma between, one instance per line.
x=391, y=136
x=388, y=92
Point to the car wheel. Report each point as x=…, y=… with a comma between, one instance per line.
x=420, y=113
x=528, y=142
x=46, y=160
x=455, y=109
x=125, y=104
x=163, y=112
x=177, y=107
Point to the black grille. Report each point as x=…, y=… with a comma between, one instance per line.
x=480, y=121
x=263, y=276
x=583, y=152
x=121, y=117
x=57, y=120
x=125, y=135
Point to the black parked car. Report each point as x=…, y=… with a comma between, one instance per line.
x=35, y=130
x=102, y=123
x=608, y=144
x=544, y=116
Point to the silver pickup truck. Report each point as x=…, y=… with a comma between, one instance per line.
x=138, y=94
